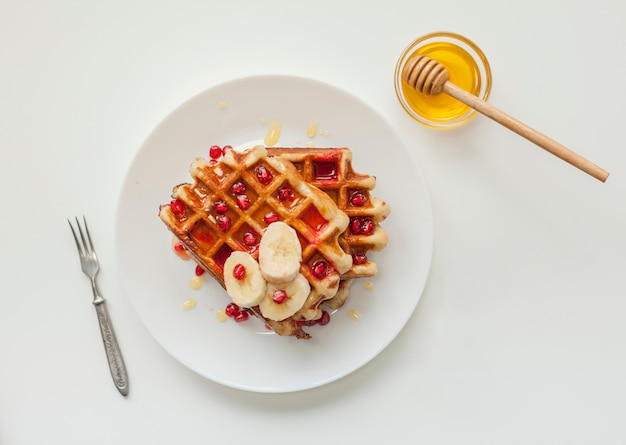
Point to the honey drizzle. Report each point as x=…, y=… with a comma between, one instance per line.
x=311, y=130
x=189, y=304
x=273, y=134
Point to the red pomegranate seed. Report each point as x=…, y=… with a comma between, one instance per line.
x=324, y=319
x=285, y=193
x=241, y=316
x=355, y=226
x=220, y=207
x=178, y=247
x=178, y=207
x=212, y=162
x=249, y=239
x=243, y=202
x=263, y=175
x=199, y=271
x=215, y=152
x=232, y=309
x=223, y=222
x=279, y=296
x=320, y=269
x=270, y=218
x=367, y=226
x=238, y=188
x=359, y=258
x=357, y=199
x=239, y=271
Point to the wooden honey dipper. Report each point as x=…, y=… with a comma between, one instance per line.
x=430, y=77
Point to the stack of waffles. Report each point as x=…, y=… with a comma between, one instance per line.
x=315, y=191
x=330, y=170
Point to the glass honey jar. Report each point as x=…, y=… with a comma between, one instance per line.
x=468, y=68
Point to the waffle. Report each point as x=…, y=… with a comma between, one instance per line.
x=330, y=169
x=233, y=200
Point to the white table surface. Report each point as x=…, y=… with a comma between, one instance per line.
x=520, y=335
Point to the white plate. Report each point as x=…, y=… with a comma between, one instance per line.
x=246, y=355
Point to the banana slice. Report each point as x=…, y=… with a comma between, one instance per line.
x=282, y=300
x=280, y=253
x=243, y=279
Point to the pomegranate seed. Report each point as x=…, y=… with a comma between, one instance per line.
x=285, y=193
x=238, y=188
x=178, y=207
x=220, y=207
x=279, y=296
x=359, y=258
x=226, y=148
x=232, y=309
x=355, y=226
x=357, y=199
x=324, y=319
x=215, y=152
x=249, y=239
x=270, y=218
x=223, y=222
x=199, y=271
x=241, y=316
x=243, y=202
x=178, y=247
x=263, y=175
x=320, y=269
x=239, y=271
x=213, y=162
x=368, y=226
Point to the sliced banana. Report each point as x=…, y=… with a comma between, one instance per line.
x=297, y=292
x=243, y=279
x=280, y=253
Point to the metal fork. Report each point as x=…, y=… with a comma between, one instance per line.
x=90, y=265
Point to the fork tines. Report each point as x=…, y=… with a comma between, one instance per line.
x=86, y=245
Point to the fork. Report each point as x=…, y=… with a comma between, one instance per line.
x=90, y=266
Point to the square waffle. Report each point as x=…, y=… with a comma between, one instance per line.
x=233, y=200
x=330, y=170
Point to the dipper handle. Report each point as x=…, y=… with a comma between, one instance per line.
x=430, y=77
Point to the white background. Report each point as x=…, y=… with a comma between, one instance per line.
x=519, y=337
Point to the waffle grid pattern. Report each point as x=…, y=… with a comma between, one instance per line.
x=232, y=201
x=330, y=170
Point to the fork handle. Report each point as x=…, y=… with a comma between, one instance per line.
x=114, y=354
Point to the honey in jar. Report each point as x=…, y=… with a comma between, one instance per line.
x=468, y=68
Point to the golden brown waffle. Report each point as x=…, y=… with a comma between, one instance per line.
x=330, y=169
x=233, y=200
